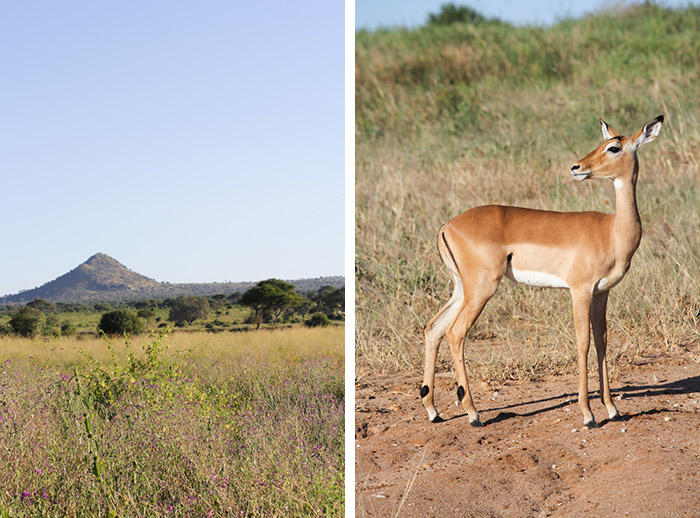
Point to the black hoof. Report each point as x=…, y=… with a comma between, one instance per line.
x=438, y=419
x=618, y=417
x=591, y=424
x=477, y=423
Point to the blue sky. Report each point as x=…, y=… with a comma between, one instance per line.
x=371, y=14
x=192, y=141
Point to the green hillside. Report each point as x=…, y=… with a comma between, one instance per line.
x=451, y=117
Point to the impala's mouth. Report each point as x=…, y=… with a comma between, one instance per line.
x=580, y=175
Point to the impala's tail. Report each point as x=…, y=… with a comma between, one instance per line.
x=446, y=253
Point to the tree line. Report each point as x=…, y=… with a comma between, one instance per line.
x=270, y=302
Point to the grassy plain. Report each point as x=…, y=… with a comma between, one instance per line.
x=193, y=424
x=448, y=118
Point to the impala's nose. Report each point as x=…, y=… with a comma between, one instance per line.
x=575, y=167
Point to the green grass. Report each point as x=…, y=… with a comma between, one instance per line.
x=194, y=425
x=448, y=118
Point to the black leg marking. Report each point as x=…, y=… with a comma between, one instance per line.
x=460, y=393
x=424, y=390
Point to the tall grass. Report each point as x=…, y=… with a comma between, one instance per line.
x=448, y=118
x=244, y=426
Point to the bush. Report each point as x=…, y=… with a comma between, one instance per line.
x=451, y=13
x=27, y=321
x=120, y=322
x=67, y=329
x=318, y=320
x=146, y=313
x=187, y=309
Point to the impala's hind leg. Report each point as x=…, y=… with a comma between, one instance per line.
x=476, y=297
x=434, y=332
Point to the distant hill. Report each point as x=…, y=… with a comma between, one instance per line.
x=103, y=278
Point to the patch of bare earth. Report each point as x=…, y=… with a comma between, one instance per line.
x=533, y=457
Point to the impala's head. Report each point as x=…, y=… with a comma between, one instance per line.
x=616, y=157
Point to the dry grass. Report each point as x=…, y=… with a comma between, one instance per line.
x=510, y=139
x=195, y=425
x=273, y=346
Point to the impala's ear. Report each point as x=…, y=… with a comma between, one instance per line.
x=648, y=132
x=608, y=131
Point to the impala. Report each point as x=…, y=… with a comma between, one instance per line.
x=586, y=252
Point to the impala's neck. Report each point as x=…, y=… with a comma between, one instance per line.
x=627, y=228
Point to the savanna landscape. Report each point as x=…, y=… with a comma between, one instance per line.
x=220, y=405
x=467, y=111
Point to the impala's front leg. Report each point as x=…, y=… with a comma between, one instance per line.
x=582, y=325
x=600, y=337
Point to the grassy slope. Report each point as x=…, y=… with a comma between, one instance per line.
x=453, y=117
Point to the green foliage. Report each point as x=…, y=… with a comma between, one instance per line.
x=451, y=13
x=146, y=313
x=318, y=320
x=272, y=296
x=27, y=321
x=67, y=328
x=104, y=385
x=121, y=322
x=330, y=301
x=41, y=305
x=187, y=309
x=83, y=319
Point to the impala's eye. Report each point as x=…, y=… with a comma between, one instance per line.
x=613, y=149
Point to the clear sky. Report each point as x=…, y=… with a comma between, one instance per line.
x=371, y=14
x=192, y=141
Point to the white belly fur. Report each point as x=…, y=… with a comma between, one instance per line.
x=542, y=280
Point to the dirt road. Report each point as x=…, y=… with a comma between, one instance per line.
x=533, y=457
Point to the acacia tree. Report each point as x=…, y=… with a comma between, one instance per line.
x=188, y=309
x=272, y=296
x=330, y=301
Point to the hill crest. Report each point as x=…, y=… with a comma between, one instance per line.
x=103, y=278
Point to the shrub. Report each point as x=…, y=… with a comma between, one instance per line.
x=120, y=322
x=67, y=329
x=27, y=321
x=146, y=313
x=187, y=309
x=318, y=320
x=451, y=13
